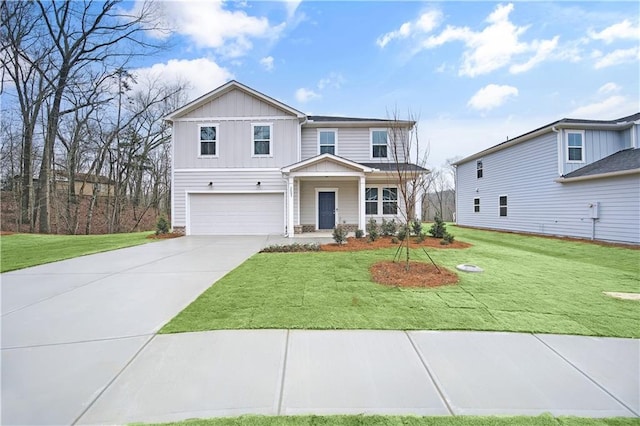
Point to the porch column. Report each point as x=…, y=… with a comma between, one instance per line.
x=361, y=204
x=290, y=206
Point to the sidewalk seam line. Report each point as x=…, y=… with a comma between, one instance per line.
x=284, y=370
x=104, y=339
x=585, y=374
x=433, y=380
x=108, y=385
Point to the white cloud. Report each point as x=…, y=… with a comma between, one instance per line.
x=202, y=75
x=304, y=95
x=267, y=63
x=425, y=23
x=334, y=80
x=495, y=46
x=622, y=30
x=609, y=88
x=491, y=96
x=209, y=25
x=617, y=57
x=292, y=6
x=610, y=108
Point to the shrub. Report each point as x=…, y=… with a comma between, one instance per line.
x=339, y=234
x=372, y=229
x=394, y=240
x=448, y=237
x=389, y=227
x=403, y=232
x=421, y=237
x=443, y=242
x=359, y=233
x=291, y=248
x=162, y=226
x=416, y=226
x=439, y=228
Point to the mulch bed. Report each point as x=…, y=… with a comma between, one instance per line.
x=6, y=233
x=164, y=236
x=355, y=244
x=419, y=274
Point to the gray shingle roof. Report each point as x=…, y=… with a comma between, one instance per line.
x=627, y=159
x=391, y=166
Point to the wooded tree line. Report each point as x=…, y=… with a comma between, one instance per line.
x=74, y=113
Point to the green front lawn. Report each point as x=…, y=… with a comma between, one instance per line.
x=530, y=284
x=543, y=420
x=19, y=251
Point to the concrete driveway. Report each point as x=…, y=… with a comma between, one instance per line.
x=70, y=328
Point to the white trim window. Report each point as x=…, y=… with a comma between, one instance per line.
x=328, y=141
x=476, y=205
x=379, y=143
x=575, y=146
x=371, y=201
x=503, y=206
x=262, y=140
x=390, y=201
x=208, y=140
x=479, y=169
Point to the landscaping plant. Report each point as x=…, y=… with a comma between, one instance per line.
x=339, y=234
x=162, y=226
x=372, y=229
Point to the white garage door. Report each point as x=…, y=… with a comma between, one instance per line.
x=236, y=214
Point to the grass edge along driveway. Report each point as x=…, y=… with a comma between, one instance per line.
x=530, y=284
x=19, y=251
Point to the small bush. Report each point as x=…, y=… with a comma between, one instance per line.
x=421, y=237
x=162, y=226
x=416, y=226
x=389, y=227
x=443, y=242
x=394, y=240
x=291, y=248
x=448, y=237
x=372, y=229
x=359, y=233
x=339, y=234
x=403, y=232
x=439, y=228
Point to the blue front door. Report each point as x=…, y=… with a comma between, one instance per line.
x=326, y=210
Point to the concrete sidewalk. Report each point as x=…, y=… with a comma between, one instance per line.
x=281, y=372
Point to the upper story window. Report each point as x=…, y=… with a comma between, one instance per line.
x=479, y=169
x=208, y=137
x=379, y=143
x=327, y=141
x=371, y=201
x=503, y=205
x=262, y=138
x=575, y=146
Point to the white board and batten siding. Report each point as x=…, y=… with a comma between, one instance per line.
x=598, y=144
x=526, y=174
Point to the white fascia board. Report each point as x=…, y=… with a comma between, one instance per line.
x=598, y=176
x=323, y=157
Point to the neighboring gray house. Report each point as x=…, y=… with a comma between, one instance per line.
x=576, y=178
x=244, y=163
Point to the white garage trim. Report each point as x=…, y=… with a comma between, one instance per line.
x=188, y=225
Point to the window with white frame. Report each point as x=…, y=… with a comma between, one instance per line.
x=327, y=141
x=208, y=138
x=371, y=201
x=479, y=169
x=390, y=201
x=379, y=143
x=503, y=205
x=575, y=146
x=262, y=138
x=476, y=205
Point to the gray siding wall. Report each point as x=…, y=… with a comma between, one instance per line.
x=525, y=173
x=236, y=103
x=597, y=145
x=239, y=181
x=353, y=144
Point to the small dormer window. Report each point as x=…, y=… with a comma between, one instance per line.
x=379, y=143
x=479, y=170
x=575, y=146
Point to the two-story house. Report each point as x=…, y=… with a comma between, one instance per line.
x=575, y=178
x=245, y=163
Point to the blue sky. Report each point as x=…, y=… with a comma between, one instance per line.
x=474, y=72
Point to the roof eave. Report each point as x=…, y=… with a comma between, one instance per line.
x=598, y=176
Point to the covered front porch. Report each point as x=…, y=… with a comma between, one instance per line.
x=327, y=190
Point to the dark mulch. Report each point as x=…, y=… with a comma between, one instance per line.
x=354, y=244
x=165, y=236
x=419, y=274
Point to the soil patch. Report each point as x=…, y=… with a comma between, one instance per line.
x=164, y=236
x=355, y=244
x=6, y=233
x=419, y=274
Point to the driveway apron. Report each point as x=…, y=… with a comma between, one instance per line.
x=69, y=328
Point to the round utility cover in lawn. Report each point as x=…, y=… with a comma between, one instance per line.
x=469, y=268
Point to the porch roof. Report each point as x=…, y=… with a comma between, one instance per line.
x=327, y=158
